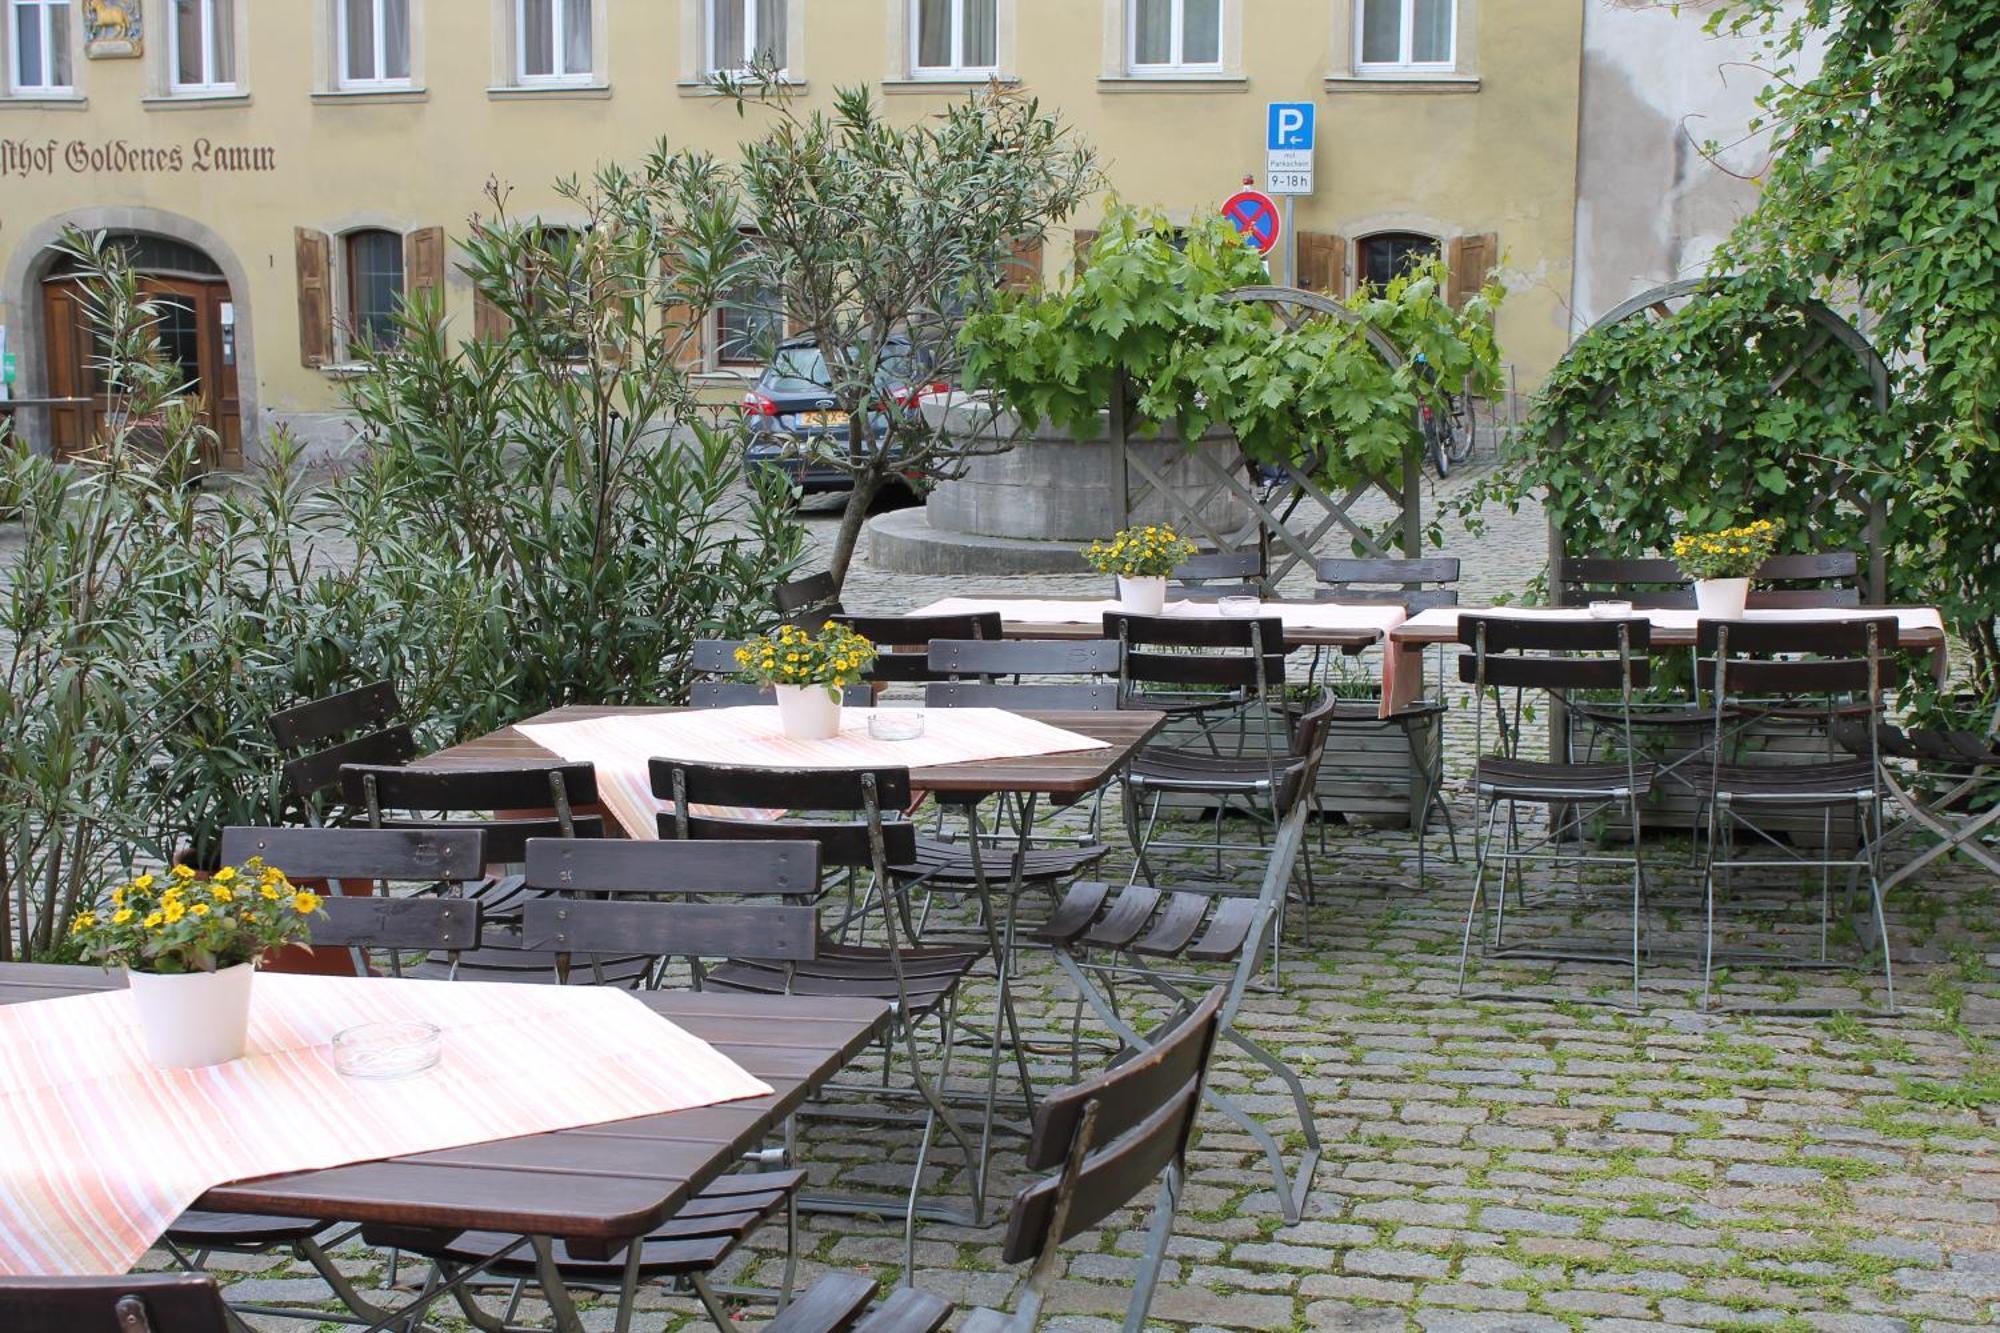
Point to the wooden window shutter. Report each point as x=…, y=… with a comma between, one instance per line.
x=1322, y=260
x=1083, y=241
x=423, y=264
x=677, y=316
x=315, y=262
x=488, y=324
x=1471, y=261
x=1023, y=270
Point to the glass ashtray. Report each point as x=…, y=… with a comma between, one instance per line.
x=1611, y=610
x=1240, y=608
x=387, y=1050
x=900, y=724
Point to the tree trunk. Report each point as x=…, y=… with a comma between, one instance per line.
x=867, y=485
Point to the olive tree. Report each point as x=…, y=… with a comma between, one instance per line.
x=870, y=233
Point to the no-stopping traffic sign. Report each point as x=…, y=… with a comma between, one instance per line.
x=1255, y=216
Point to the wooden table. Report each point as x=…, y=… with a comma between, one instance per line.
x=1063, y=778
x=595, y=1187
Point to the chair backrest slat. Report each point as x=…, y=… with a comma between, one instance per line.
x=1022, y=698
x=814, y=592
x=1407, y=573
x=311, y=775
x=371, y=707
x=1511, y=645
x=1024, y=657
x=410, y=856
x=783, y=788
x=620, y=865
x=1138, y=1115
x=1416, y=585
x=528, y=787
x=134, y=1303
x=842, y=842
x=1213, y=566
x=766, y=932
x=744, y=694
x=902, y=643
x=1649, y=582
x=431, y=924
x=1815, y=568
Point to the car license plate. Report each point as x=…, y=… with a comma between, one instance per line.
x=821, y=419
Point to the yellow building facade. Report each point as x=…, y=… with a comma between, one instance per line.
x=285, y=167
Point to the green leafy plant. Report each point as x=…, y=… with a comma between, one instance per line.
x=1153, y=551
x=1727, y=553
x=176, y=923
x=1878, y=111
x=836, y=657
x=528, y=521
x=553, y=493
x=1146, y=320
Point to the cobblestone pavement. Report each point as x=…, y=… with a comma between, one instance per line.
x=1500, y=1165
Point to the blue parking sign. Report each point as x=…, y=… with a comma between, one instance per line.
x=1289, y=126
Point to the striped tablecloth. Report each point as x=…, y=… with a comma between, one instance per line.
x=621, y=748
x=104, y=1151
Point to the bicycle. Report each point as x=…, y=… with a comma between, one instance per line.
x=1450, y=435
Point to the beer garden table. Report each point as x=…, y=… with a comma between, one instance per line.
x=594, y=1188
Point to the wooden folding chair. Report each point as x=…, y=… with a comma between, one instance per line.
x=1105, y=1140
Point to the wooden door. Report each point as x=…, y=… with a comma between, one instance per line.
x=192, y=337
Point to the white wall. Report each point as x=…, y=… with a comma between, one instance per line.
x=1650, y=206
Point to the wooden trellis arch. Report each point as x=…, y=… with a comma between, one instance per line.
x=1288, y=521
x=1829, y=327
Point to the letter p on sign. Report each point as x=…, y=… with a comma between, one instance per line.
x=1290, y=127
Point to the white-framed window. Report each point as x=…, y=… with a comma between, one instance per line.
x=553, y=41
x=1406, y=34
x=202, y=46
x=950, y=37
x=38, y=42
x=739, y=31
x=1174, y=35
x=750, y=318
x=374, y=43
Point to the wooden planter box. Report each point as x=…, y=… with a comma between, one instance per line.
x=1672, y=807
x=1372, y=772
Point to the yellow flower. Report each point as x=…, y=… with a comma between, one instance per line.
x=143, y=883
x=182, y=872
x=305, y=902
x=221, y=893
x=123, y=916
x=174, y=911
x=84, y=921
x=270, y=892
x=152, y=921
x=199, y=909
x=224, y=875
x=118, y=897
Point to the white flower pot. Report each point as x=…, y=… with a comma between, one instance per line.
x=808, y=712
x=191, y=1019
x=1143, y=597
x=1721, y=599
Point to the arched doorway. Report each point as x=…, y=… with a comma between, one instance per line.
x=197, y=331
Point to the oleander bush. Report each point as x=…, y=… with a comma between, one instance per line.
x=526, y=521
